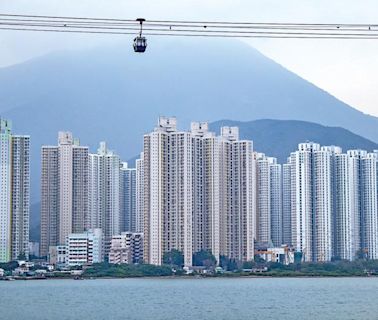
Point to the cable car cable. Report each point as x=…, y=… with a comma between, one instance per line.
x=192, y=35
x=167, y=31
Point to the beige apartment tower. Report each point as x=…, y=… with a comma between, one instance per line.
x=64, y=191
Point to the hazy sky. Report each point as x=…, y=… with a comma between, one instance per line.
x=346, y=69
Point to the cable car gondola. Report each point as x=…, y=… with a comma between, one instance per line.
x=140, y=42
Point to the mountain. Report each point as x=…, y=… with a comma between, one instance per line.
x=112, y=94
x=277, y=138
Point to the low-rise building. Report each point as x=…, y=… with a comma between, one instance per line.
x=57, y=256
x=284, y=254
x=20, y=271
x=84, y=248
x=126, y=248
x=81, y=249
x=25, y=264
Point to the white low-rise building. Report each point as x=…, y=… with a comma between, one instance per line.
x=81, y=249
x=84, y=248
x=284, y=254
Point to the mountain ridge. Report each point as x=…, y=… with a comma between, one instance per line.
x=111, y=94
x=278, y=138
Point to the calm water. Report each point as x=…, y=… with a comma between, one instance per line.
x=324, y=298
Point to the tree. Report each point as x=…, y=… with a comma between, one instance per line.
x=9, y=266
x=249, y=264
x=174, y=258
x=259, y=259
x=298, y=257
x=204, y=258
x=361, y=254
x=229, y=264
x=21, y=256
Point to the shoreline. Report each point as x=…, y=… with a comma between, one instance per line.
x=198, y=277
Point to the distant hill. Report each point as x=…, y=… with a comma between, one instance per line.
x=112, y=94
x=278, y=138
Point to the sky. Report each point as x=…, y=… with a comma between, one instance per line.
x=345, y=68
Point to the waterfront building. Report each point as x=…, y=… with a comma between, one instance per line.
x=269, y=200
x=357, y=205
x=126, y=248
x=5, y=190
x=128, y=198
x=57, y=256
x=139, y=195
x=79, y=249
x=238, y=198
x=263, y=218
x=198, y=192
x=64, y=191
x=167, y=162
x=206, y=189
x=369, y=206
x=347, y=217
x=104, y=200
x=324, y=204
x=14, y=193
x=84, y=248
x=283, y=254
x=286, y=204
x=302, y=204
x=275, y=181
x=312, y=181
x=333, y=202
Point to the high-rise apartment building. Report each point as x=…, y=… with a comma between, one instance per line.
x=324, y=204
x=14, y=193
x=104, y=201
x=356, y=200
x=312, y=181
x=49, y=198
x=64, y=191
x=269, y=200
x=168, y=207
x=198, y=192
x=206, y=189
x=139, y=195
x=263, y=217
x=347, y=216
x=5, y=190
x=369, y=206
x=237, y=196
x=276, y=222
x=302, y=201
x=20, y=196
x=286, y=204
x=128, y=198
x=333, y=202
